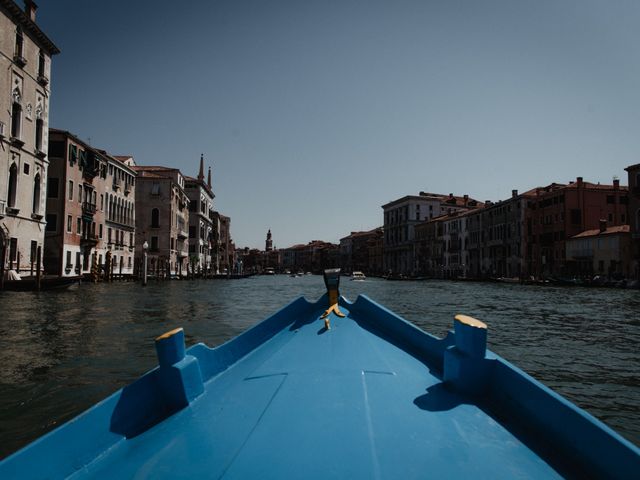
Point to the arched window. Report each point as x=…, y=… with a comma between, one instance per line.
x=19, y=44
x=36, y=194
x=41, y=64
x=13, y=185
x=155, y=218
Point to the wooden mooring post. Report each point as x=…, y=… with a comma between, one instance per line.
x=38, y=265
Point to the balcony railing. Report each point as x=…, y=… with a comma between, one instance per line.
x=88, y=208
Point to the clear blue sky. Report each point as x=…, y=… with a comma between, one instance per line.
x=315, y=113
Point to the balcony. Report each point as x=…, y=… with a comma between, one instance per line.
x=89, y=241
x=43, y=80
x=19, y=60
x=40, y=154
x=16, y=142
x=116, y=184
x=127, y=188
x=183, y=234
x=88, y=208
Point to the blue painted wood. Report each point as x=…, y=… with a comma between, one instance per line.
x=373, y=397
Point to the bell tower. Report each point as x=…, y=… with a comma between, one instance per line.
x=268, y=245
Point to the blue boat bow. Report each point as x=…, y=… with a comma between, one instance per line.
x=308, y=393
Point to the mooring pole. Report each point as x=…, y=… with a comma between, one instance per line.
x=38, y=265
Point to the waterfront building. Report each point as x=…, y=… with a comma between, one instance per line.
x=400, y=218
x=633, y=214
x=602, y=251
x=354, y=250
x=375, y=248
x=497, y=239
x=314, y=256
x=223, y=249
x=25, y=61
x=561, y=211
x=90, y=208
x=428, y=248
x=162, y=219
x=201, y=227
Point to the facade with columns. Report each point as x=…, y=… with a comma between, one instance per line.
x=201, y=218
x=25, y=60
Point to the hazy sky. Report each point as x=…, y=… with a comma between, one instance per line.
x=315, y=113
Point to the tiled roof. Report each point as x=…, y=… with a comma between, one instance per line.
x=596, y=232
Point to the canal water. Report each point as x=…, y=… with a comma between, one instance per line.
x=61, y=352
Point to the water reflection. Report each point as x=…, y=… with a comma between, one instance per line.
x=63, y=351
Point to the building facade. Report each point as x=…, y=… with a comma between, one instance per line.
x=604, y=251
x=558, y=212
x=25, y=60
x=162, y=219
x=633, y=215
x=90, y=209
x=201, y=215
x=400, y=219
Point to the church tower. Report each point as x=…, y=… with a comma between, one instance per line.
x=268, y=245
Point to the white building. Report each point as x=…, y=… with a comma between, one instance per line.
x=25, y=62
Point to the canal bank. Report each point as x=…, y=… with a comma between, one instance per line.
x=63, y=351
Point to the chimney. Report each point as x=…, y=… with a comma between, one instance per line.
x=488, y=203
x=451, y=195
x=616, y=184
x=514, y=193
x=30, y=9
x=466, y=198
x=603, y=225
x=579, y=181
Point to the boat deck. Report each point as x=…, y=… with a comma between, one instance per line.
x=352, y=405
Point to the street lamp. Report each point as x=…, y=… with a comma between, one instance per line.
x=145, y=247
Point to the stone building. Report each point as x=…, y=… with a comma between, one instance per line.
x=162, y=219
x=400, y=218
x=354, y=251
x=604, y=251
x=223, y=248
x=201, y=214
x=25, y=62
x=90, y=208
x=558, y=212
x=633, y=215
x=496, y=240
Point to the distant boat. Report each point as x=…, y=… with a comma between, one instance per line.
x=358, y=276
x=269, y=271
x=354, y=392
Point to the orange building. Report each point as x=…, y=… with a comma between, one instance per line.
x=558, y=212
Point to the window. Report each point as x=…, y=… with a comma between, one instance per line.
x=13, y=249
x=52, y=219
x=78, y=260
x=611, y=199
x=154, y=244
x=36, y=194
x=576, y=216
x=16, y=119
x=155, y=218
x=70, y=189
x=172, y=243
x=69, y=223
x=52, y=187
x=41, y=64
x=130, y=239
x=100, y=230
x=26, y=168
x=13, y=185
x=68, y=264
x=34, y=250
x=79, y=193
x=610, y=218
x=78, y=226
x=155, y=188
x=39, y=130
x=19, y=43
x=108, y=235
x=101, y=201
